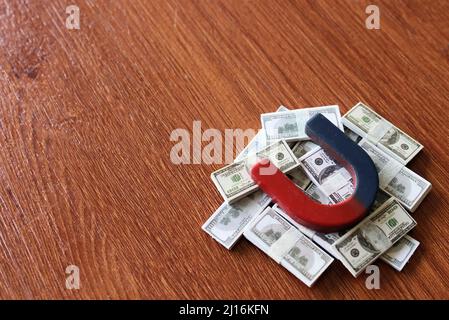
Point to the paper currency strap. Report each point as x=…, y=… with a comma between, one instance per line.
x=304, y=210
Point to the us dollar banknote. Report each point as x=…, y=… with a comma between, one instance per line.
x=394, y=178
x=306, y=231
x=397, y=180
x=315, y=193
x=288, y=246
x=326, y=240
x=365, y=122
x=352, y=135
x=333, y=180
x=234, y=181
x=299, y=178
x=227, y=223
x=364, y=243
x=257, y=143
x=302, y=147
x=399, y=254
x=290, y=125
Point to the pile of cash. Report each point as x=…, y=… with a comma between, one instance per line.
x=305, y=253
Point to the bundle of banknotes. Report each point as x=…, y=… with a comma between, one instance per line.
x=383, y=233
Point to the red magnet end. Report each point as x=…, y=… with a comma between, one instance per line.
x=304, y=210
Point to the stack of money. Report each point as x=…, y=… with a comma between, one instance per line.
x=257, y=143
x=227, y=223
x=395, y=179
x=234, y=181
x=282, y=242
x=397, y=256
x=290, y=125
x=362, y=120
x=368, y=240
x=304, y=252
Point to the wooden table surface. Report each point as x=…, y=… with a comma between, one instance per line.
x=86, y=115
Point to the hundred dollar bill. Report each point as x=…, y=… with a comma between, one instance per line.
x=299, y=178
x=234, y=181
x=315, y=193
x=227, y=223
x=302, y=147
x=395, y=256
x=326, y=168
x=365, y=122
x=297, y=175
x=333, y=180
x=364, y=243
x=409, y=188
x=399, y=254
x=352, y=135
x=288, y=246
x=257, y=143
x=290, y=125
x=397, y=180
x=326, y=240
x=394, y=178
x=306, y=231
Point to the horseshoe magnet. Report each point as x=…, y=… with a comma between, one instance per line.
x=304, y=210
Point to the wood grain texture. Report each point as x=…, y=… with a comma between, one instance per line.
x=86, y=115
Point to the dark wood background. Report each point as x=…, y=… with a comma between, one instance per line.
x=86, y=115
